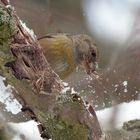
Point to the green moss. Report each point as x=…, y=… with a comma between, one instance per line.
x=61, y=121
x=7, y=26
x=7, y=29
x=59, y=128
x=64, y=97
x=132, y=125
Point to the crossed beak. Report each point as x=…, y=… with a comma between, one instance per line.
x=93, y=66
x=90, y=67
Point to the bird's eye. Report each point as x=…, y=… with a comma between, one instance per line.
x=93, y=54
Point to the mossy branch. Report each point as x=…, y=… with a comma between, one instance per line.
x=62, y=115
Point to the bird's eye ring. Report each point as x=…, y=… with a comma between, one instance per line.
x=93, y=54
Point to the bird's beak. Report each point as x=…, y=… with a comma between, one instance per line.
x=90, y=67
x=93, y=66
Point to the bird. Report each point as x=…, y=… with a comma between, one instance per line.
x=66, y=52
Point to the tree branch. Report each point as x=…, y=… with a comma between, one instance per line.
x=63, y=115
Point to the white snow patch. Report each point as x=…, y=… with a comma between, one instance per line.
x=65, y=89
x=115, y=89
x=136, y=91
x=103, y=104
x=77, y=69
x=105, y=91
x=73, y=91
x=125, y=90
x=8, y=6
x=16, y=137
x=6, y=97
x=125, y=83
x=30, y=31
x=124, y=112
x=28, y=129
x=110, y=19
x=116, y=85
x=65, y=84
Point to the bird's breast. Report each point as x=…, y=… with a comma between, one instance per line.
x=60, y=55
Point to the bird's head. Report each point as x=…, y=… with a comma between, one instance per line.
x=86, y=52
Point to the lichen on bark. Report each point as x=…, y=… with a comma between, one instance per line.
x=31, y=75
x=67, y=119
x=59, y=128
x=129, y=131
x=8, y=26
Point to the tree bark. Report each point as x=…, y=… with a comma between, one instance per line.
x=63, y=115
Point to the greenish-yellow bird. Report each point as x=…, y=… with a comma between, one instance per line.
x=66, y=52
